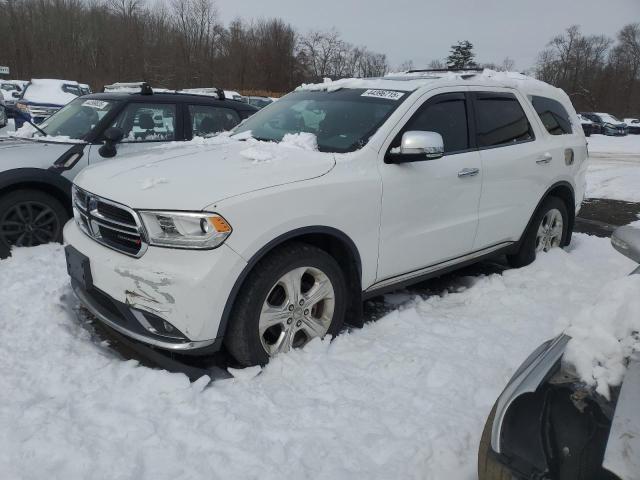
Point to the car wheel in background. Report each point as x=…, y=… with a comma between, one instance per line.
x=488, y=467
x=547, y=230
x=29, y=218
x=295, y=294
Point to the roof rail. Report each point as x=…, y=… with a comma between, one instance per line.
x=143, y=87
x=204, y=91
x=444, y=70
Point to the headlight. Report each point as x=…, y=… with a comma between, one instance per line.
x=197, y=230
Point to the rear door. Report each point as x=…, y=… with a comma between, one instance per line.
x=515, y=162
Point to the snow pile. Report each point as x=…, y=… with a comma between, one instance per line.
x=404, y=397
x=258, y=155
x=605, y=334
x=49, y=91
x=303, y=140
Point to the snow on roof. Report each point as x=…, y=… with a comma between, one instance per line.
x=410, y=81
x=45, y=90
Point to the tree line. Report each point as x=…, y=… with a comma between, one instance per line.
x=598, y=73
x=172, y=43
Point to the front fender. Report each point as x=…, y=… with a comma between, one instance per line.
x=34, y=177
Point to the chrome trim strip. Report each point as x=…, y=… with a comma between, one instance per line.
x=96, y=311
x=115, y=229
x=527, y=380
x=438, y=266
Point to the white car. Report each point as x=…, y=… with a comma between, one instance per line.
x=265, y=239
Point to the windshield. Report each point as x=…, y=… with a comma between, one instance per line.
x=9, y=87
x=342, y=120
x=607, y=117
x=77, y=118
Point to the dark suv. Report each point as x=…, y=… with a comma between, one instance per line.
x=36, y=172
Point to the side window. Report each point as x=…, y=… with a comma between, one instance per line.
x=553, y=115
x=145, y=122
x=207, y=120
x=445, y=114
x=500, y=120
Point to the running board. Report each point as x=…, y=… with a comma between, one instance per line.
x=423, y=273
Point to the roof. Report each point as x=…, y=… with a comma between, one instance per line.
x=170, y=97
x=414, y=80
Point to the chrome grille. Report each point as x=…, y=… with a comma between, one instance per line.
x=109, y=223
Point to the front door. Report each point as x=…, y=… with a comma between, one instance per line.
x=430, y=208
x=143, y=124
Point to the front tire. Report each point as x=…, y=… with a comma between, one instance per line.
x=29, y=218
x=295, y=294
x=548, y=229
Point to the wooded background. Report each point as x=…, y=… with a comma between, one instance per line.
x=183, y=43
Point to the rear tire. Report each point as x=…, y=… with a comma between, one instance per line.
x=294, y=294
x=488, y=467
x=29, y=218
x=551, y=207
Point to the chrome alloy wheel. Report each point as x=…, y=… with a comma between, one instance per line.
x=298, y=308
x=550, y=231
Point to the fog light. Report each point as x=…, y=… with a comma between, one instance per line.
x=167, y=327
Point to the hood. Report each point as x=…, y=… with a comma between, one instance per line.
x=191, y=177
x=16, y=153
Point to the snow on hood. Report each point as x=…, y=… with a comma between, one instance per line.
x=605, y=334
x=193, y=175
x=28, y=154
x=49, y=91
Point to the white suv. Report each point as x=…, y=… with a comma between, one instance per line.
x=261, y=240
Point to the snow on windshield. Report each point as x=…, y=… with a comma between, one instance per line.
x=51, y=91
x=608, y=118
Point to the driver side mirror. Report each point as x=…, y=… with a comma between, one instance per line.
x=112, y=136
x=15, y=94
x=417, y=146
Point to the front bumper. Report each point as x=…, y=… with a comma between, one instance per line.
x=186, y=288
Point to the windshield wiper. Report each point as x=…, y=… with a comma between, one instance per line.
x=18, y=112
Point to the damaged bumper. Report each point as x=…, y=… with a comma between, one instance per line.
x=172, y=299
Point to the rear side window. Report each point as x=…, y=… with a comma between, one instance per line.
x=445, y=114
x=500, y=120
x=208, y=120
x=553, y=115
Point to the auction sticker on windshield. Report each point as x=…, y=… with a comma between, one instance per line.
x=99, y=104
x=386, y=94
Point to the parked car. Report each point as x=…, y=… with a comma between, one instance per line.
x=43, y=97
x=587, y=125
x=273, y=236
x=235, y=96
x=84, y=89
x=3, y=113
x=36, y=173
x=633, y=125
x=259, y=102
x=609, y=125
x=548, y=423
x=10, y=93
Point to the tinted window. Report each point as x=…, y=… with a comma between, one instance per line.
x=208, y=120
x=447, y=115
x=144, y=122
x=500, y=120
x=553, y=115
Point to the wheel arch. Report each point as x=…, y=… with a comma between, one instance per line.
x=36, y=179
x=565, y=192
x=335, y=242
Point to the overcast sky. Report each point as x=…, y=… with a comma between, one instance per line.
x=422, y=30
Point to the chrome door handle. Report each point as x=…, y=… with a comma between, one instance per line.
x=468, y=172
x=544, y=159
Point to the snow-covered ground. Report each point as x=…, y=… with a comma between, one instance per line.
x=405, y=397
x=614, y=168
